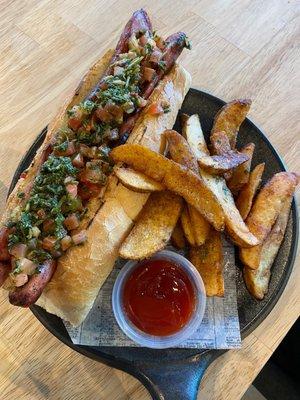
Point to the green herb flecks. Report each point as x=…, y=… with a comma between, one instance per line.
x=48, y=194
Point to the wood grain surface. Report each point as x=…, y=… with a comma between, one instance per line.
x=246, y=48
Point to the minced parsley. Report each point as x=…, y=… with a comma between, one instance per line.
x=48, y=194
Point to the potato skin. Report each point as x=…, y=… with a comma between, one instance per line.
x=265, y=211
x=230, y=118
x=154, y=226
x=174, y=177
x=257, y=281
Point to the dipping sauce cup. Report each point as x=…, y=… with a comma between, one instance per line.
x=159, y=302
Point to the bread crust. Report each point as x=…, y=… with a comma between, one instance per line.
x=83, y=269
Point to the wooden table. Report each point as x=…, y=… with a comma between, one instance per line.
x=241, y=48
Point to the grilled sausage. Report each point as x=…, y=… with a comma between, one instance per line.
x=4, y=272
x=4, y=254
x=174, y=46
x=139, y=22
x=28, y=294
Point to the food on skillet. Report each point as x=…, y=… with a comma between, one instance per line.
x=208, y=259
x=257, y=280
x=195, y=225
x=259, y=237
x=73, y=211
x=264, y=212
x=68, y=214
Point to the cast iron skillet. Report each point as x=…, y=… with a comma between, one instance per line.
x=175, y=374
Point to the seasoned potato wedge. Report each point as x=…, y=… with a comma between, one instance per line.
x=181, y=153
x=174, y=177
x=187, y=227
x=246, y=195
x=240, y=174
x=208, y=259
x=137, y=181
x=192, y=132
x=235, y=225
x=230, y=118
x=218, y=165
x=177, y=237
x=257, y=280
x=200, y=226
x=153, y=227
x=219, y=143
x=265, y=211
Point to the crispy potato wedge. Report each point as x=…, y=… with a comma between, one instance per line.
x=187, y=227
x=240, y=174
x=177, y=238
x=208, y=259
x=230, y=118
x=137, y=181
x=153, y=227
x=181, y=153
x=174, y=177
x=192, y=132
x=235, y=225
x=219, y=143
x=257, y=280
x=200, y=226
x=265, y=211
x=180, y=150
x=246, y=195
x=218, y=165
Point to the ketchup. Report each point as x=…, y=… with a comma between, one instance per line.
x=159, y=297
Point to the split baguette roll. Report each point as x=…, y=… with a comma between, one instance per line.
x=83, y=269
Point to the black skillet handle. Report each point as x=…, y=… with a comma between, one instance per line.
x=177, y=380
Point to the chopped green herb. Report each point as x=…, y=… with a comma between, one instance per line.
x=162, y=65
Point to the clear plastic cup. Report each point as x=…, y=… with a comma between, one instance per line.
x=152, y=341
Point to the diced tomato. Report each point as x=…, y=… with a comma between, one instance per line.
x=48, y=225
x=74, y=123
x=93, y=173
x=116, y=111
x=41, y=213
x=71, y=222
x=103, y=115
x=72, y=189
x=148, y=74
x=86, y=151
x=66, y=242
x=88, y=190
x=70, y=150
x=103, y=86
x=155, y=109
x=49, y=243
x=78, y=161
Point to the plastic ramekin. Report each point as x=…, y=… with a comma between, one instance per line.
x=159, y=342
